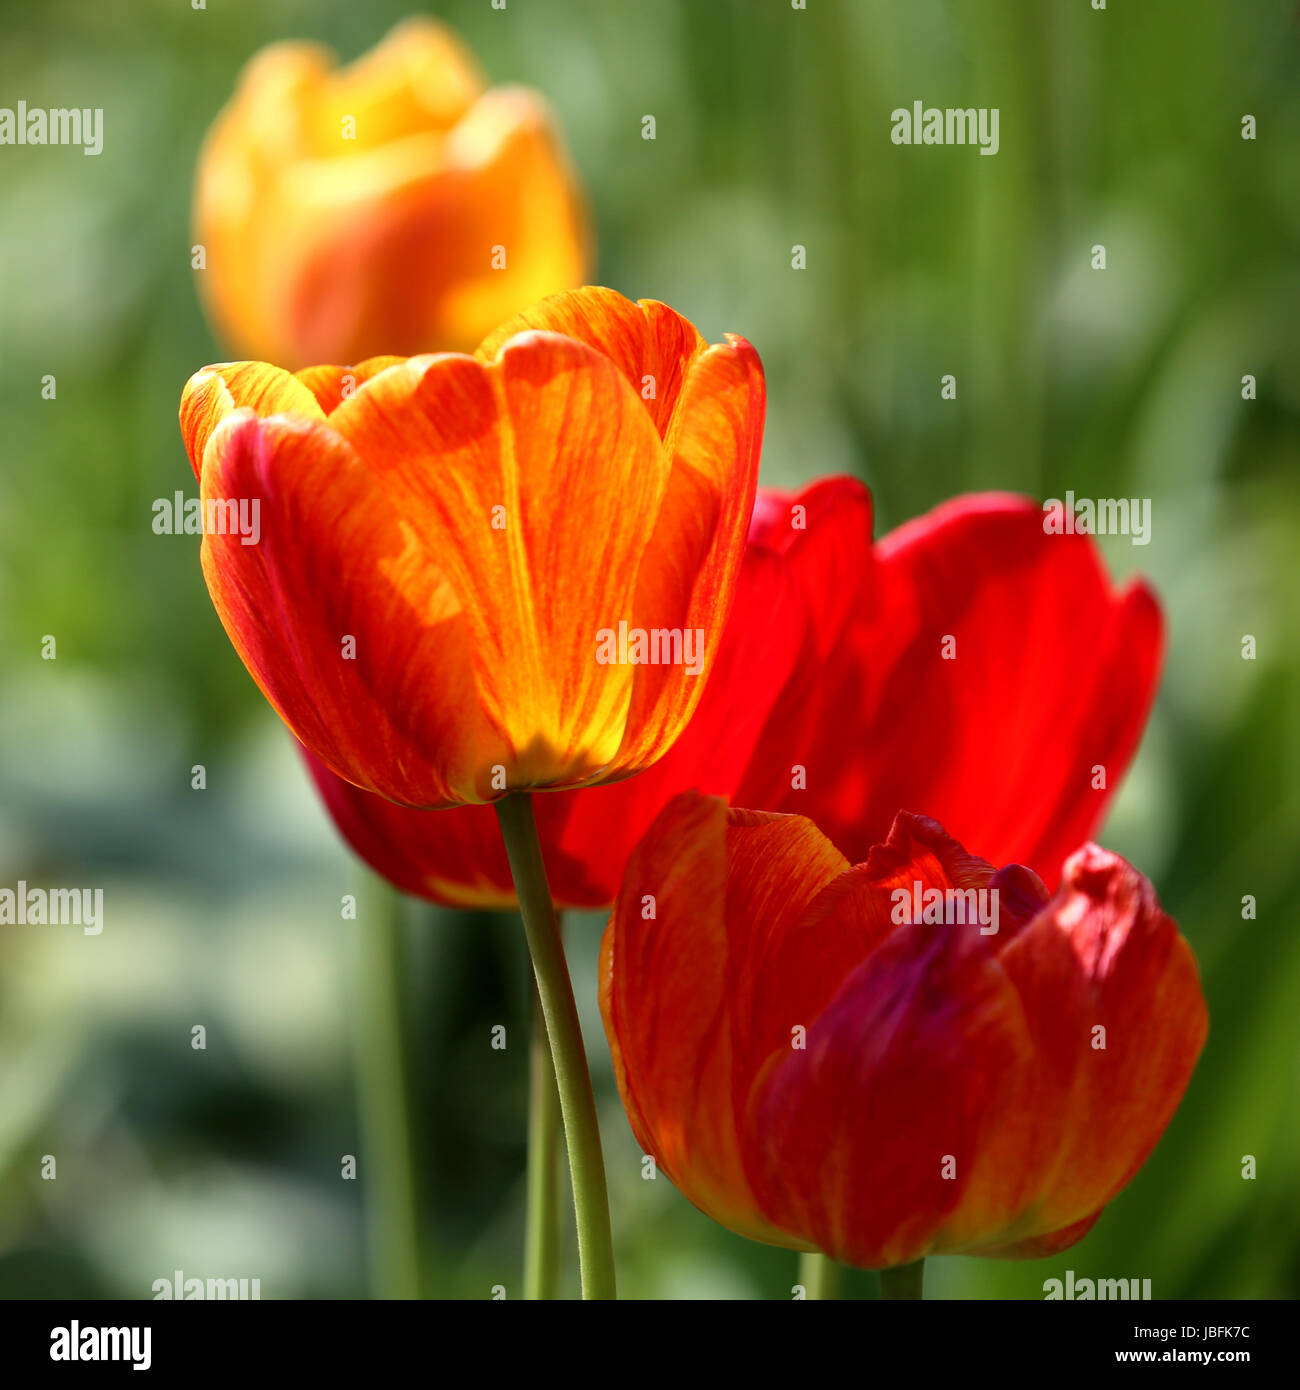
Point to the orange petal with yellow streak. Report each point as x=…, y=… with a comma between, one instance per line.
x=532, y=479
x=332, y=385
x=212, y=394
x=689, y=576
x=393, y=710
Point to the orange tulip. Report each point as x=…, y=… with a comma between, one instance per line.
x=394, y=205
x=832, y=1058
x=453, y=548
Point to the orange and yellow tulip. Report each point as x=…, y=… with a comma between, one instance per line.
x=831, y=1058
x=396, y=205
x=446, y=543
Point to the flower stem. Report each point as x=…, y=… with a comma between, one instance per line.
x=394, y=1216
x=577, y=1103
x=903, y=1281
x=542, y=1212
x=819, y=1275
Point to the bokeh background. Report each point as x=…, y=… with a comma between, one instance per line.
x=1120, y=127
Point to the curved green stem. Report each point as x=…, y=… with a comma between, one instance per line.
x=577, y=1103
x=819, y=1275
x=383, y=1060
x=903, y=1281
x=542, y=1211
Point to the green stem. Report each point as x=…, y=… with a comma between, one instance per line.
x=577, y=1103
x=542, y=1213
x=903, y=1281
x=819, y=1275
x=383, y=1063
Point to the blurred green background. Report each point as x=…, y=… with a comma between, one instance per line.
x=1120, y=127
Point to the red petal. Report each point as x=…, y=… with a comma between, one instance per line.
x=452, y=855
x=1103, y=955
x=1053, y=675
x=671, y=986
x=824, y=534
x=875, y=1140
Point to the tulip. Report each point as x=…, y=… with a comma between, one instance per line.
x=446, y=543
x=832, y=696
x=987, y=672
x=787, y=584
x=396, y=205
x=817, y=1064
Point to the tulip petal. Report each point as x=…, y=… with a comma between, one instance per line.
x=452, y=855
x=420, y=76
x=494, y=195
x=237, y=198
x=915, y=1026
x=689, y=572
x=651, y=344
x=1009, y=674
x=873, y=1138
x=824, y=532
x=1103, y=956
x=212, y=394
x=333, y=385
x=718, y=883
x=1040, y=1247
x=807, y=965
x=336, y=562
x=476, y=455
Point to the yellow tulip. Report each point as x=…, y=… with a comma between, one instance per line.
x=396, y=205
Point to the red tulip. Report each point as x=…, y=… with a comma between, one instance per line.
x=831, y=676
x=987, y=672
x=816, y=1064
